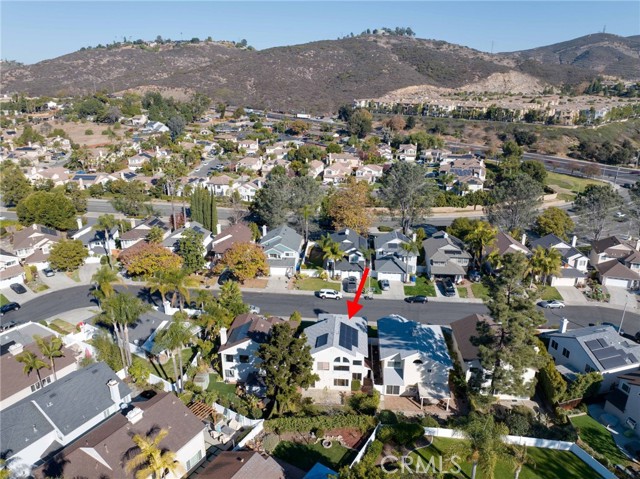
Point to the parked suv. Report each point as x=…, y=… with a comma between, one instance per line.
x=449, y=289
x=352, y=284
x=329, y=294
x=4, y=309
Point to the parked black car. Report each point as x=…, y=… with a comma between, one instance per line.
x=18, y=288
x=8, y=308
x=416, y=299
x=449, y=289
x=352, y=284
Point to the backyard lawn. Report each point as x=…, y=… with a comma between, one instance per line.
x=422, y=287
x=315, y=284
x=480, y=291
x=305, y=456
x=545, y=463
x=3, y=300
x=596, y=436
x=223, y=389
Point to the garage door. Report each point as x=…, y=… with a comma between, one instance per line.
x=622, y=283
x=390, y=276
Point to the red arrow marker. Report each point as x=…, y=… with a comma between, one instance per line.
x=352, y=306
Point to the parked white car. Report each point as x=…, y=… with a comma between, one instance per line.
x=555, y=304
x=329, y=294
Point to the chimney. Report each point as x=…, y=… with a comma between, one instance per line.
x=114, y=391
x=638, y=244
x=523, y=240
x=264, y=230
x=79, y=222
x=223, y=336
x=564, y=325
x=134, y=415
x=413, y=238
x=574, y=241
x=133, y=222
x=218, y=229
x=346, y=231
x=15, y=349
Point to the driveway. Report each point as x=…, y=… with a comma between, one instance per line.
x=572, y=295
x=620, y=297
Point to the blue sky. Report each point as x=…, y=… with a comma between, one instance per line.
x=34, y=31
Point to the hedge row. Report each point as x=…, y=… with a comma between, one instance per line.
x=326, y=423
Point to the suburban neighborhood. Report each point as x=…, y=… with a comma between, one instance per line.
x=196, y=288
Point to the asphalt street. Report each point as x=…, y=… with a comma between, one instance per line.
x=58, y=303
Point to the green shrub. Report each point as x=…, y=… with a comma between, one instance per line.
x=405, y=434
x=319, y=432
x=307, y=424
x=519, y=420
x=429, y=421
x=270, y=442
x=139, y=371
x=88, y=132
x=388, y=417
x=364, y=403
x=385, y=229
x=385, y=434
x=355, y=385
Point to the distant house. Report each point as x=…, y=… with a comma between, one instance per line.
x=101, y=453
x=221, y=185
x=624, y=401
x=140, y=232
x=248, y=190
x=505, y=244
x=414, y=360
x=172, y=241
x=574, y=264
x=316, y=168
x=595, y=348
x=353, y=262
x=34, y=238
x=407, y=152
x=339, y=348
x=283, y=248
x=138, y=120
x=86, y=180
x=445, y=257
x=470, y=174
x=345, y=159
x=55, y=416
x=369, y=173
x=135, y=162
x=271, y=164
x=384, y=151
x=617, y=262
x=238, y=349
x=249, y=163
x=238, y=233
x=59, y=176
x=241, y=465
x=336, y=173
x=464, y=334
x=154, y=127
x=393, y=262
x=249, y=146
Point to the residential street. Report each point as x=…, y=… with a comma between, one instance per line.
x=435, y=312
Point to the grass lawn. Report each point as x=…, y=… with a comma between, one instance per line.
x=305, y=456
x=315, y=284
x=549, y=293
x=62, y=327
x=422, y=287
x=463, y=292
x=3, y=300
x=74, y=275
x=480, y=291
x=38, y=287
x=596, y=436
x=571, y=183
x=566, y=196
x=223, y=389
x=546, y=463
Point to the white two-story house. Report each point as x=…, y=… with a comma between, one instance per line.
x=414, y=360
x=394, y=262
x=407, y=152
x=574, y=264
x=353, y=261
x=238, y=350
x=624, y=401
x=339, y=348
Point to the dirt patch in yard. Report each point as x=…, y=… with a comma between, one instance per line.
x=255, y=283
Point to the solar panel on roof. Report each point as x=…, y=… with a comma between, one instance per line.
x=614, y=362
x=348, y=336
x=592, y=345
x=322, y=340
x=603, y=342
x=49, y=231
x=606, y=353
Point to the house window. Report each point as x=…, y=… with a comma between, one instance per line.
x=244, y=359
x=625, y=387
x=341, y=382
x=228, y=358
x=393, y=390
x=395, y=364
x=631, y=423
x=357, y=362
x=322, y=366
x=229, y=373
x=356, y=376
x=194, y=460
x=340, y=367
x=554, y=344
x=565, y=352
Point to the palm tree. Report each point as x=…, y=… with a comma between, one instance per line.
x=158, y=283
x=106, y=223
x=410, y=247
x=176, y=280
x=174, y=338
x=519, y=459
x=122, y=310
x=481, y=237
x=103, y=279
x=31, y=363
x=447, y=179
x=484, y=443
x=331, y=251
x=50, y=349
x=148, y=459
x=552, y=264
x=536, y=263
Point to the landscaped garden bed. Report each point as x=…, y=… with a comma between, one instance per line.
x=423, y=287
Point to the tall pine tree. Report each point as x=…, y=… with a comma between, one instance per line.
x=204, y=209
